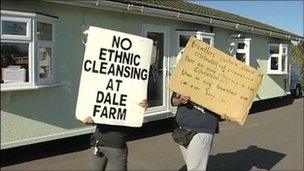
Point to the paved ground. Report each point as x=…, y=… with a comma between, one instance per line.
x=271, y=139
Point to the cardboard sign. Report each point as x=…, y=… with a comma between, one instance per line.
x=114, y=77
x=215, y=80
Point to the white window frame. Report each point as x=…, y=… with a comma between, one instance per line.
x=198, y=34
x=282, y=46
x=30, y=68
x=246, y=49
x=31, y=38
x=279, y=56
x=28, y=22
x=204, y=35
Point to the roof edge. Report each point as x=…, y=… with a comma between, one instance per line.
x=184, y=16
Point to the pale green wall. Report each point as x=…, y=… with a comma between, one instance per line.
x=36, y=113
x=272, y=85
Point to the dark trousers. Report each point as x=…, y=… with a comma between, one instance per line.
x=109, y=158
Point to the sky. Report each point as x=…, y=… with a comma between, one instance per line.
x=286, y=15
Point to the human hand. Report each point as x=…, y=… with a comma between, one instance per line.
x=225, y=117
x=89, y=121
x=184, y=99
x=178, y=99
x=144, y=103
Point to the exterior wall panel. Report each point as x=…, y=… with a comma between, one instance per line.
x=40, y=115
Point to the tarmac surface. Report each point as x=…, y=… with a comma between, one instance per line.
x=271, y=139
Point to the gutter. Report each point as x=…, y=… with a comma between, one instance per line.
x=150, y=11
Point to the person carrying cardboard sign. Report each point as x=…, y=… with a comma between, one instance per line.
x=215, y=81
x=203, y=123
x=196, y=129
x=109, y=143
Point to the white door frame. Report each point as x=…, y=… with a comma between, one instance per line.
x=166, y=31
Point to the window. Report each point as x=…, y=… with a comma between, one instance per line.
x=183, y=37
x=15, y=27
x=14, y=62
x=284, y=58
x=240, y=49
x=45, y=51
x=241, y=57
x=278, y=59
x=27, y=49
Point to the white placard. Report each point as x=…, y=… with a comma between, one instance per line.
x=114, y=77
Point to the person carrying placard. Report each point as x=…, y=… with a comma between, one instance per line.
x=109, y=143
x=197, y=127
x=203, y=123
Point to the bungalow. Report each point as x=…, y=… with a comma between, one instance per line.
x=42, y=47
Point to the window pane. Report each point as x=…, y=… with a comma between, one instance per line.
x=274, y=63
x=284, y=50
x=241, y=45
x=45, y=56
x=44, y=31
x=241, y=57
x=14, y=62
x=283, y=63
x=14, y=28
x=206, y=40
x=274, y=50
x=183, y=39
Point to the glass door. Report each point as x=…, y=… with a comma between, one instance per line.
x=157, y=92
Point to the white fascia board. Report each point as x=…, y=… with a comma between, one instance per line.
x=135, y=9
x=17, y=13
x=26, y=15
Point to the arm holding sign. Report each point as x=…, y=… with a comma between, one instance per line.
x=184, y=99
x=179, y=99
x=225, y=117
x=144, y=103
x=88, y=121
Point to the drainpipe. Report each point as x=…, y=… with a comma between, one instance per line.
x=178, y=15
x=211, y=21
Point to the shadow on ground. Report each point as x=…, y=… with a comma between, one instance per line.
x=263, y=105
x=243, y=160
